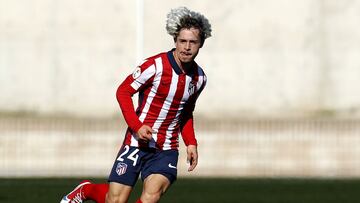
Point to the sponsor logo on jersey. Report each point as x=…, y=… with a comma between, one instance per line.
x=121, y=168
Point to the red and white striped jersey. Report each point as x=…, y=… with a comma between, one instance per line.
x=167, y=99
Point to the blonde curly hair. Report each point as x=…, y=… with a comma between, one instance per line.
x=182, y=17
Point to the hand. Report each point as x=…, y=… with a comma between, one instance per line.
x=192, y=156
x=145, y=133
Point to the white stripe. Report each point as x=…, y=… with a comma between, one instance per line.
x=159, y=66
x=144, y=76
x=170, y=131
x=133, y=141
x=171, y=128
x=199, y=83
x=167, y=104
x=152, y=93
x=201, y=79
x=153, y=90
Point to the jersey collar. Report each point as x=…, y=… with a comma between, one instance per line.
x=176, y=67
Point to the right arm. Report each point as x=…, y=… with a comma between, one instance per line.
x=123, y=95
x=132, y=84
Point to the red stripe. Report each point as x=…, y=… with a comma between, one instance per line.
x=158, y=101
x=172, y=111
x=127, y=140
x=141, y=107
x=174, y=138
x=144, y=90
x=160, y=96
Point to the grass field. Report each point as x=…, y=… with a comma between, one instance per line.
x=200, y=190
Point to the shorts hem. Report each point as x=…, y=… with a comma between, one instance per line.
x=170, y=177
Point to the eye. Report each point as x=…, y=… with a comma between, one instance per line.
x=194, y=41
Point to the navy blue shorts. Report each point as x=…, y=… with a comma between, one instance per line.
x=133, y=161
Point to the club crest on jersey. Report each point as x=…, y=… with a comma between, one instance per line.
x=136, y=73
x=121, y=168
x=191, y=88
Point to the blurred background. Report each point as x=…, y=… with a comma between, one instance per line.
x=281, y=98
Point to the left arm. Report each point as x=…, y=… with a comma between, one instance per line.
x=188, y=135
x=187, y=128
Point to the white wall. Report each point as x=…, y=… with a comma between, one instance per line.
x=296, y=148
x=273, y=58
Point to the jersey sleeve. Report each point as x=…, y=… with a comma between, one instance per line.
x=187, y=128
x=139, y=79
x=187, y=123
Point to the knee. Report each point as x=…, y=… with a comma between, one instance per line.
x=151, y=197
x=118, y=193
x=114, y=198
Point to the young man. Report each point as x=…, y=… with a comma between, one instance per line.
x=169, y=84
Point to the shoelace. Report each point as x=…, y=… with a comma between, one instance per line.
x=77, y=198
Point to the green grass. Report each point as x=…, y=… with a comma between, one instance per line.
x=200, y=190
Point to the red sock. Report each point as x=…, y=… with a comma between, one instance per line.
x=96, y=192
x=138, y=201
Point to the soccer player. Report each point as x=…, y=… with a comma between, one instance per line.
x=168, y=84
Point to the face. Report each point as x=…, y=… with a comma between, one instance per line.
x=187, y=45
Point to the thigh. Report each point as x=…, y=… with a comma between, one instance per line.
x=156, y=184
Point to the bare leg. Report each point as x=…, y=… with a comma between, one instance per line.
x=118, y=193
x=154, y=186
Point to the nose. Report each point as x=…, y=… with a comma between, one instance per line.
x=187, y=46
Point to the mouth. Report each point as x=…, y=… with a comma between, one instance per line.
x=186, y=53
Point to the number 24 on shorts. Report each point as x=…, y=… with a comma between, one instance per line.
x=133, y=156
